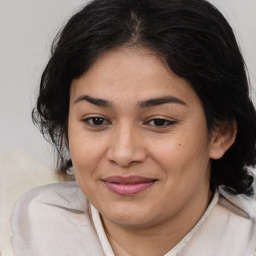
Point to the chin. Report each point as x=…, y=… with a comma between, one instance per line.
x=130, y=218
x=132, y=222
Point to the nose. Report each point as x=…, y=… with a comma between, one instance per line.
x=126, y=146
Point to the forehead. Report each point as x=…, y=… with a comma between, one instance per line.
x=131, y=74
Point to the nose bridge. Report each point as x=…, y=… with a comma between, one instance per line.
x=125, y=144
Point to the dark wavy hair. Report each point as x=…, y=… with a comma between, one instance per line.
x=198, y=45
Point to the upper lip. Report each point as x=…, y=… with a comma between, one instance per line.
x=128, y=180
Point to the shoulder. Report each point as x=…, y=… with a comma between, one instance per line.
x=245, y=205
x=66, y=195
x=45, y=201
x=239, y=220
x=53, y=220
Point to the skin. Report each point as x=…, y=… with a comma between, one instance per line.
x=128, y=139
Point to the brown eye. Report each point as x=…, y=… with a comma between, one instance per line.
x=161, y=122
x=95, y=121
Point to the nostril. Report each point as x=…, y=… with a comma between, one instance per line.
x=125, y=146
x=126, y=158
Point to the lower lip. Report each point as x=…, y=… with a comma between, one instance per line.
x=128, y=189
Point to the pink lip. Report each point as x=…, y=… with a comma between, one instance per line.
x=128, y=185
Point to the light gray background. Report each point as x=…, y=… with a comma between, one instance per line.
x=27, y=28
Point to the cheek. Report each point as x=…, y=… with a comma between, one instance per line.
x=182, y=154
x=86, y=154
x=85, y=149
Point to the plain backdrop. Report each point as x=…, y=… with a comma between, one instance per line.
x=27, y=28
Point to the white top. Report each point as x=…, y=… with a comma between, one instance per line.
x=58, y=220
x=173, y=252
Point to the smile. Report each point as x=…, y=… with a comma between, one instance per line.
x=128, y=185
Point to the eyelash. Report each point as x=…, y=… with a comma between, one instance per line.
x=162, y=121
x=90, y=121
x=159, y=123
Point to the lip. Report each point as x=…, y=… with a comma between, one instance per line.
x=130, y=185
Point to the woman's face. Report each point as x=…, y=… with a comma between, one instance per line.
x=138, y=140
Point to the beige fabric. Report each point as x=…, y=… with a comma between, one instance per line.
x=173, y=252
x=19, y=172
x=56, y=220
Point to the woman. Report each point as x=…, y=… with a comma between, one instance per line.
x=148, y=102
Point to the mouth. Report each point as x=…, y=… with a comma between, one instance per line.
x=130, y=185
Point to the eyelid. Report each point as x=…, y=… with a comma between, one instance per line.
x=86, y=120
x=169, y=122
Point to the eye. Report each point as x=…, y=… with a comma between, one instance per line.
x=96, y=121
x=160, y=122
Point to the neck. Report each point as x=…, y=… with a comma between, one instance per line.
x=156, y=239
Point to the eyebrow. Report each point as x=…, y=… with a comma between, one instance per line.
x=143, y=104
x=160, y=101
x=94, y=101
